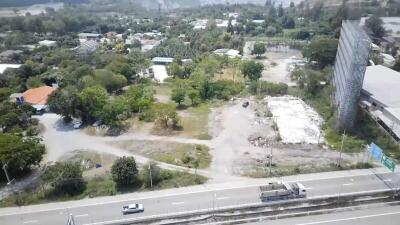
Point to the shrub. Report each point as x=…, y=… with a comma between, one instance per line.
x=267, y=88
x=124, y=171
x=65, y=178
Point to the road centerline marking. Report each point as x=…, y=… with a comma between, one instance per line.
x=83, y=215
x=178, y=203
x=31, y=221
x=348, y=184
x=222, y=198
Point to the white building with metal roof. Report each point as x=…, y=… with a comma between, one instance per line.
x=381, y=96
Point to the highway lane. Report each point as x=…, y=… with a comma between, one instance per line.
x=174, y=203
x=386, y=215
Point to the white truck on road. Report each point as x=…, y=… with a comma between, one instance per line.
x=281, y=191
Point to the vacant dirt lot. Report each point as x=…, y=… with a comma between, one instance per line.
x=231, y=125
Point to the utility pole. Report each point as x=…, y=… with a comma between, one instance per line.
x=7, y=176
x=270, y=161
x=341, y=148
x=151, y=178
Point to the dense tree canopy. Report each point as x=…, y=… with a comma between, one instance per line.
x=65, y=178
x=252, y=69
x=20, y=154
x=124, y=171
x=375, y=24
x=321, y=50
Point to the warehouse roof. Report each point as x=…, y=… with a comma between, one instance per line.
x=382, y=84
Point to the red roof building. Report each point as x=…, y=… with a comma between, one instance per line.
x=38, y=96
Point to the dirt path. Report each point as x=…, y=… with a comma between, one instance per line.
x=150, y=137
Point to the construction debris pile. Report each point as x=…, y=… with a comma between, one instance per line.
x=260, y=141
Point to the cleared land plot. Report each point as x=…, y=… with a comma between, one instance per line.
x=194, y=121
x=187, y=155
x=93, y=163
x=232, y=125
x=297, y=122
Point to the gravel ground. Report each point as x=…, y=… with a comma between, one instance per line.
x=231, y=125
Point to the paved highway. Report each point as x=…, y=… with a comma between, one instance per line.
x=388, y=215
x=190, y=199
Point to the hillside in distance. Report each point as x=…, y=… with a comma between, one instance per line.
x=19, y=3
x=173, y=4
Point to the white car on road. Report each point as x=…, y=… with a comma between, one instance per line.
x=132, y=208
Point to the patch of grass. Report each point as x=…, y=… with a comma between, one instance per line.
x=89, y=159
x=174, y=179
x=350, y=144
x=192, y=157
x=195, y=121
x=278, y=171
x=102, y=186
x=180, y=154
x=229, y=74
x=163, y=89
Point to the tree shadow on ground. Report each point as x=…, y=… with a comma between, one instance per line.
x=123, y=189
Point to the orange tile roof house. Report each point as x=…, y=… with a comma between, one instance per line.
x=38, y=96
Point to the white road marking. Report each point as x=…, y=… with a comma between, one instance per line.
x=309, y=188
x=83, y=215
x=387, y=180
x=222, y=198
x=178, y=203
x=31, y=221
x=348, y=184
x=352, y=218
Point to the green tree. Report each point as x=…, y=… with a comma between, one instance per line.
x=396, y=66
x=65, y=178
x=34, y=82
x=109, y=80
x=259, y=49
x=281, y=12
x=66, y=102
x=178, y=94
x=124, y=171
x=121, y=67
x=93, y=100
x=375, y=24
x=230, y=28
x=194, y=97
x=115, y=111
x=165, y=115
x=19, y=153
x=175, y=70
x=251, y=69
x=321, y=50
x=139, y=97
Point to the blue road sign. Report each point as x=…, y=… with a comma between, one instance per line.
x=376, y=152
